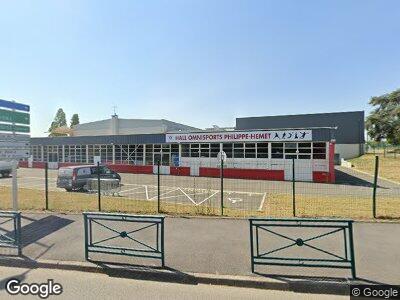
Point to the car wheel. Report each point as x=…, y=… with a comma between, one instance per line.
x=68, y=189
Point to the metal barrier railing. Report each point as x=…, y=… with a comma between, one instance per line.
x=11, y=239
x=104, y=220
x=272, y=226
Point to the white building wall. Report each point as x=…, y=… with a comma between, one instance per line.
x=348, y=151
x=303, y=167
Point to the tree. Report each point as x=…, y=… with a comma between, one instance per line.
x=74, y=120
x=384, y=120
x=59, y=121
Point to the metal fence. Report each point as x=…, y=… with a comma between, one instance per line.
x=383, y=149
x=293, y=246
x=122, y=234
x=369, y=189
x=10, y=231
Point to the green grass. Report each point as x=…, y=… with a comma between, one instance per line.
x=276, y=205
x=389, y=167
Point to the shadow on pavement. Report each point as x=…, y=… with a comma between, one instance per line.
x=318, y=285
x=38, y=229
x=349, y=179
x=142, y=272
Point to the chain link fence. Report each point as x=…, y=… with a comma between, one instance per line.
x=369, y=189
x=383, y=149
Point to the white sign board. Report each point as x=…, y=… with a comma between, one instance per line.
x=10, y=154
x=14, y=146
x=6, y=137
x=241, y=136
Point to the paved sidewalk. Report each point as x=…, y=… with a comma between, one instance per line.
x=81, y=285
x=215, y=246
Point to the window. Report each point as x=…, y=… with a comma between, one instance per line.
x=139, y=155
x=304, y=150
x=290, y=150
x=205, y=150
x=194, y=150
x=60, y=154
x=276, y=150
x=109, y=153
x=149, y=154
x=83, y=172
x=156, y=148
x=250, y=150
x=90, y=153
x=185, y=150
x=262, y=150
x=37, y=153
x=227, y=148
x=118, y=156
x=124, y=154
x=319, y=150
x=238, y=150
x=214, y=150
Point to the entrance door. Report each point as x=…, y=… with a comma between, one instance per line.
x=164, y=158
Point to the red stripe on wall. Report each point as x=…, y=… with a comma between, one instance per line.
x=244, y=173
x=179, y=171
x=23, y=164
x=38, y=164
x=319, y=176
x=131, y=169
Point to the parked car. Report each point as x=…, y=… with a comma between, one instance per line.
x=75, y=178
x=5, y=168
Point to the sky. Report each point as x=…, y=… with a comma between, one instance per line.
x=196, y=62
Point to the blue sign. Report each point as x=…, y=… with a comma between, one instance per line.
x=175, y=160
x=14, y=105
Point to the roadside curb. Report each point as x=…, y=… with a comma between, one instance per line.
x=169, y=275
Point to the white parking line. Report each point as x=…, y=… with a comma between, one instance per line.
x=262, y=202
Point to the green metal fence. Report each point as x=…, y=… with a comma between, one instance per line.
x=320, y=257
x=10, y=231
x=116, y=234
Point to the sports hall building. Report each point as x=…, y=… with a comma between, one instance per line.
x=252, y=150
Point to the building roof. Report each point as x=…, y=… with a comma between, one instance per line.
x=350, y=125
x=118, y=126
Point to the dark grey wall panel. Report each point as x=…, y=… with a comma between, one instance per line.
x=101, y=139
x=350, y=125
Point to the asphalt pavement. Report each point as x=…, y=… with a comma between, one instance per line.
x=216, y=246
x=81, y=285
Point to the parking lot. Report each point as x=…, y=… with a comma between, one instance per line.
x=351, y=189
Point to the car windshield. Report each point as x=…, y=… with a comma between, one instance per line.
x=65, y=172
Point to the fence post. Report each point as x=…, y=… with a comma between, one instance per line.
x=251, y=246
x=293, y=188
x=375, y=186
x=18, y=230
x=86, y=236
x=353, y=260
x=158, y=186
x=222, y=186
x=46, y=184
x=98, y=186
